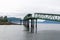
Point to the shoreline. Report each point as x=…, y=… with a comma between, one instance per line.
x=8, y=23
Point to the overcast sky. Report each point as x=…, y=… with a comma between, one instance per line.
x=19, y=8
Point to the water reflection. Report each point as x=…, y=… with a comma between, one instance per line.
x=18, y=32
x=14, y=32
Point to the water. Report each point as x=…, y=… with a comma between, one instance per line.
x=18, y=32
x=48, y=32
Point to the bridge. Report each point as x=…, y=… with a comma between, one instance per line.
x=44, y=16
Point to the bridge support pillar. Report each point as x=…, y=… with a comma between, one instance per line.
x=36, y=26
x=32, y=25
x=27, y=25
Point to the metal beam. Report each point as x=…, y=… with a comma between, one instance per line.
x=54, y=17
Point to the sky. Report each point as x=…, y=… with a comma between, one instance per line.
x=19, y=8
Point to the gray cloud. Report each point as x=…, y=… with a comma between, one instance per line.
x=19, y=8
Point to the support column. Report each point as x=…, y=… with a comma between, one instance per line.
x=28, y=25
x=36, y=25
x=32, y=25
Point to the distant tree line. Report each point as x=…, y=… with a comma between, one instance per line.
x=3, y=19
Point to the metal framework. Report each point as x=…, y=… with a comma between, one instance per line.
x=45, y=16
x=54, y=17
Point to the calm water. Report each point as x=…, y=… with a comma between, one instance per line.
x=17, y=32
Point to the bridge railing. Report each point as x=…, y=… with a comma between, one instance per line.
x=54, y=17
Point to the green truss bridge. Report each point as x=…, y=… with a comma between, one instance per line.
x=44, y=16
